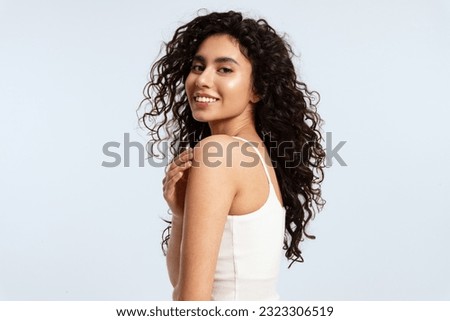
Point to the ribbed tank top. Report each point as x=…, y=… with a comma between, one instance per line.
x=250, y=251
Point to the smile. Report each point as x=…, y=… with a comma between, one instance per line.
x=205, y=99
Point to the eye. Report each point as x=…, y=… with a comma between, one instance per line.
x=225, y=70
x=197, y=68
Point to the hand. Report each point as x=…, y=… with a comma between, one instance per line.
x=174, y=183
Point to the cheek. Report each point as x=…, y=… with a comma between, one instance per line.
x=238, y=85
x=189, y=84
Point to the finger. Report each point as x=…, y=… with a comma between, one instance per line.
x=169, y=188
x=179, y=162
x=184, y=160
x=177, y=170
x=183, y=157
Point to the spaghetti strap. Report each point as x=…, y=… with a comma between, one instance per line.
x=260, y=157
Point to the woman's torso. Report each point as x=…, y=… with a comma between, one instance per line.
x=251, y=247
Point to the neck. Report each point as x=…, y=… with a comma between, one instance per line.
x=244, y=124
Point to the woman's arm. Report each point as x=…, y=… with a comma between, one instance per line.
x=210, y=191
x=173, y=249
x=174, y=188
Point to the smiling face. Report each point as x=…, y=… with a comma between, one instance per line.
x=219, y=85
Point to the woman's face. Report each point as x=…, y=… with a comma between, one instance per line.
x=219, y=86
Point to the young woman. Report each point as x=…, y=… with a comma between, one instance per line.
x=249, y=182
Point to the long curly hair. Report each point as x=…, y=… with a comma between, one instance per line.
x=286, y=113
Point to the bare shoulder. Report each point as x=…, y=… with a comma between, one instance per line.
x=218, y=151
x=221, y=140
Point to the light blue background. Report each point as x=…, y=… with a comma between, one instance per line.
x=72, y=74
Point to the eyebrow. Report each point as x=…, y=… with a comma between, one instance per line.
x=217, y=60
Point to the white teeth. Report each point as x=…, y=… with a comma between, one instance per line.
x=205, y=99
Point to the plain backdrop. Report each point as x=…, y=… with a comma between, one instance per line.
x=71, y=78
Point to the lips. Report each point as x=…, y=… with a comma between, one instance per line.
x=201, y=99
x=204, y=98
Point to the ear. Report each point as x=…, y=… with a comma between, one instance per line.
x=254, y=98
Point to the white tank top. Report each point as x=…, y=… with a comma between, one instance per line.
x=250, y=251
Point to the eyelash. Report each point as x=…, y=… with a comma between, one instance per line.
x=226, y=70
x=199, y=68
x=196, y=67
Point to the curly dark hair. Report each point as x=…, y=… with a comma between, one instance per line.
x=286, y=112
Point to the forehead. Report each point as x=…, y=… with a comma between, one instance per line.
x=216, y=46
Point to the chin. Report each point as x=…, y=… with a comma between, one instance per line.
x=201, y=118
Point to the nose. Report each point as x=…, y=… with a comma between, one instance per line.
x=205, y=79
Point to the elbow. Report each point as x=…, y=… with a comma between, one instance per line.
x=175, y=294
x=178, y=295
